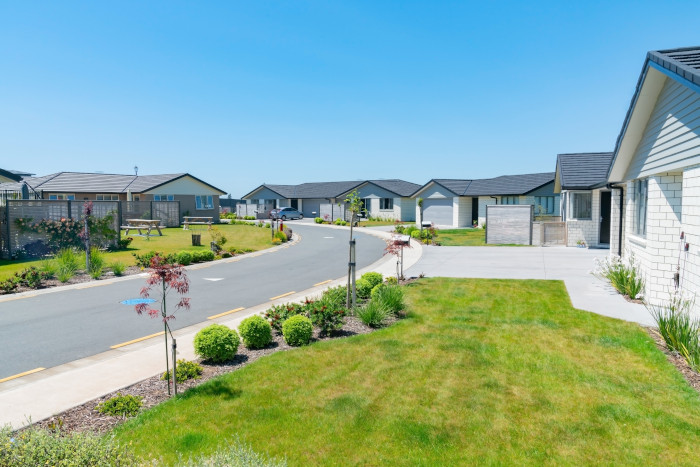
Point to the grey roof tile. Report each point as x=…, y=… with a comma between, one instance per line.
x=685, y=62
x=400, y=187
x=509, y=184
x=583, y=171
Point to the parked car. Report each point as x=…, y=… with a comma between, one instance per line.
x=286, y=213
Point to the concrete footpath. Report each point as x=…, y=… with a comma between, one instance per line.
x=43, y=394
x=571, y=265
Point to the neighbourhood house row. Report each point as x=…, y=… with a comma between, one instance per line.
x=655, y=175
x=196, y=197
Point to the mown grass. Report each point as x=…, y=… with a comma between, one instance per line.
x=174, y=239
x=481, y=372
x=375, y=223
x=462, y=237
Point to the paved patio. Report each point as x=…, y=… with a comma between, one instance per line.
x=572, y=265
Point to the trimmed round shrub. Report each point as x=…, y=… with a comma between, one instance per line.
x=373, y=278
x=185, y=370
x=363, y=288
x=376, y=290
x=256, y=332
x=392, y=280
x=184, y=258
x=297, y=330
x=119, y=405
x=216, y=343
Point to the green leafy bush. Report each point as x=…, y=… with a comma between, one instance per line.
x=185, y=370
x=67, y=264
x=203, y=256
x=335, y=297
x=389, y=296
x=297, y=330
x=318, y=220
x=249, y=218
x=30, y=277
x=373, y=314
x=373, y=278
x=281, y=236
x=184, y=258
x=216, y=343
x=278, y=314
x=410, y=229
x=391, y=280
x=97, y=262
x=120, y=405
x=340, y=221
x=363, y=288
x=38, y=446
x=325, y=317
x=376, y=289
x=117, y=268
x=144, y=260
x=256, y=332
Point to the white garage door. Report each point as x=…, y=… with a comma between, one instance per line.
x=438, y=211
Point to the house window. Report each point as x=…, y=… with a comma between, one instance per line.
x=581, y=206
x=640, y=195
x=510, y=200
x=62, y=196
x=386, y=203
x=164, y=198
x=544, y=205
x=204, y=202
x=107, y=197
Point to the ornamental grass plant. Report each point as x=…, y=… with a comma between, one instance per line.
x=623, y=274
x=678, y=327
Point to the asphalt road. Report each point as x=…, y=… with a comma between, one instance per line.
x=65, y=325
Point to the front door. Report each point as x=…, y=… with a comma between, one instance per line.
x=295, y=204
x=475, y=211
x=605, y=200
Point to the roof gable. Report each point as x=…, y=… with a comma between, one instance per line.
x=582, y=171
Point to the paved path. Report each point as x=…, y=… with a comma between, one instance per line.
x=572, y=265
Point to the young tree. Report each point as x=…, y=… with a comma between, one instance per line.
x=354, y=205
x=163, y=278
x=395, y=246
x=420, y=207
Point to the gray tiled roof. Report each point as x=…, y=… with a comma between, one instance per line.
x=79, y=182
x=400, y=187
x=323, y=190
x=10, y=174
x=583, y=171
x=684, y=62
x=503, y=185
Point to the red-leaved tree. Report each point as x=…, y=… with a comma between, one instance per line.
x=164, y=277
x=395, y=246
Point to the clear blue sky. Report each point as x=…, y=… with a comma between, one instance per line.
x=244, y=93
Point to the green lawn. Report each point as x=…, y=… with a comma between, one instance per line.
x=482, y=372
x=375, y=223
x=174, y=239
x=462, y=237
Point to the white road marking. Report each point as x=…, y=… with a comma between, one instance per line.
x=213, y=279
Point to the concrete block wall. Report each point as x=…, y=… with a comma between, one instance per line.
x=690, y=261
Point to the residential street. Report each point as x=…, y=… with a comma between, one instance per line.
x=48, y=329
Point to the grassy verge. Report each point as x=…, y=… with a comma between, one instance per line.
x=376, y=223
x=173, y=240
x=462, y=237
x=482, y=372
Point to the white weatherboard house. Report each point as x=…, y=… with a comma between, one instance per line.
x=585, y=207
x=656, y=165
x=388, y=199
x=452, y=203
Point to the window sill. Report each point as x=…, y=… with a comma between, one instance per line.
x=638, y=241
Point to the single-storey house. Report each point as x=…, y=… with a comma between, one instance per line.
x=196, y=197
x=462, y=203
x=655, y=173
x=581, y=179
x=388, y=199
x=7, y=176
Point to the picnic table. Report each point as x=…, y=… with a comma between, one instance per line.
x=142, y=224
x=189, y=220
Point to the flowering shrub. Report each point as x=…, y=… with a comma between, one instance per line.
x=278, y=314
x=67, y=232
x=325, y=317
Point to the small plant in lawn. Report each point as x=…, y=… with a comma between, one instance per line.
x=278, y=314
x=218, y=237
x=185, y=370
x=216, y=343
x=679, y=328
x=37, y=446
x=373, y=313
x=117, y=268
x=256, y=332
x=364, y=288
x=391, y=297
x=297, y=330
x=121, y=406
x=327, y=318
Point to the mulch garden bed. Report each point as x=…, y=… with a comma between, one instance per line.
x=690, y=375
x=154, y=391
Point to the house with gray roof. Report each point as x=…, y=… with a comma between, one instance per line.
x=196, y=197
x=7, y=176
x=388, y=199
x=655, y=175
x=581, y=179
x=458, y=203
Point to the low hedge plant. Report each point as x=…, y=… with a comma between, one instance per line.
x=216, y=343
x=297, y=330
x=185, y=370
x=256, y=332
x=120, y=405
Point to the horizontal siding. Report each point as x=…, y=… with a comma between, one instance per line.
x=671, y=138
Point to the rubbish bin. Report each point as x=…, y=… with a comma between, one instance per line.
x=196, y=239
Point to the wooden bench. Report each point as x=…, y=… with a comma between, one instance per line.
x=196, y=220
x=142, y=224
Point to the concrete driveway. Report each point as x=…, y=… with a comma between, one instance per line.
x=572, y=265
